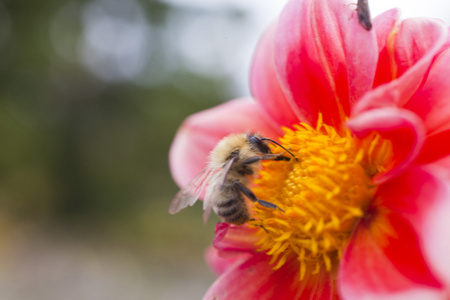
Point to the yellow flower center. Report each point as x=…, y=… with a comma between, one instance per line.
x=322, y=195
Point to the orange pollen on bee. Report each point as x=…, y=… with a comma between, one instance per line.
x=322, y=194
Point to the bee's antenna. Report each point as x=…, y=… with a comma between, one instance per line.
x=272, y=141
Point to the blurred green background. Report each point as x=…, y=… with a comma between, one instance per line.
x=91, y=95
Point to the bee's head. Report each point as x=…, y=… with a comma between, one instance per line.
x=258, y=144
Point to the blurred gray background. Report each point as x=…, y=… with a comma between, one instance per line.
x=91, y=95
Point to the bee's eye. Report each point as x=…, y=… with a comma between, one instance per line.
x=258, y=144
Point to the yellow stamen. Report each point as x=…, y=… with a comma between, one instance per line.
x=322, y=195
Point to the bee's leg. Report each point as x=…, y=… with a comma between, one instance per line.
x=286, y=150
x=254, y=159
x=278, y=156
x=247, y=192
x=262, y=226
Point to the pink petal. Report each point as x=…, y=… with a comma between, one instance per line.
x=403, y=128
x=431, y=102
x=325, y=59
x=220, y=261
x=418, y=293
x=383, y=26
x=444, y=165
x=435, y=147
x=419, y=39
x=201, y=132
x=383, y=259
x=255, y=279
x=414, y=47
x=422, y=196
x=436, y=239
x=235, y=238
x=265, y=85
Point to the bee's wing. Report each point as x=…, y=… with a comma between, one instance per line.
x=226, y=170
x=207, y=207
x=189, y=194
x=207, y=202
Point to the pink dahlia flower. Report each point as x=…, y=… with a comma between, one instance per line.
x=366, y=208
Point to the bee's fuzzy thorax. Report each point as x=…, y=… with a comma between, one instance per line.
x=228, y=145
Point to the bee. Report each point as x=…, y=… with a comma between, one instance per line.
x=233, y=163
x=362, y=9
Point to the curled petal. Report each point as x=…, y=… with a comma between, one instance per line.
x=403, y=128
x=383, y=26
x=255, y=279
x=417, y=41
x=325, y=60
x=411, y=50
x=265, y=84
x=431, y=102
x=235, y=238
x=201, y=132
